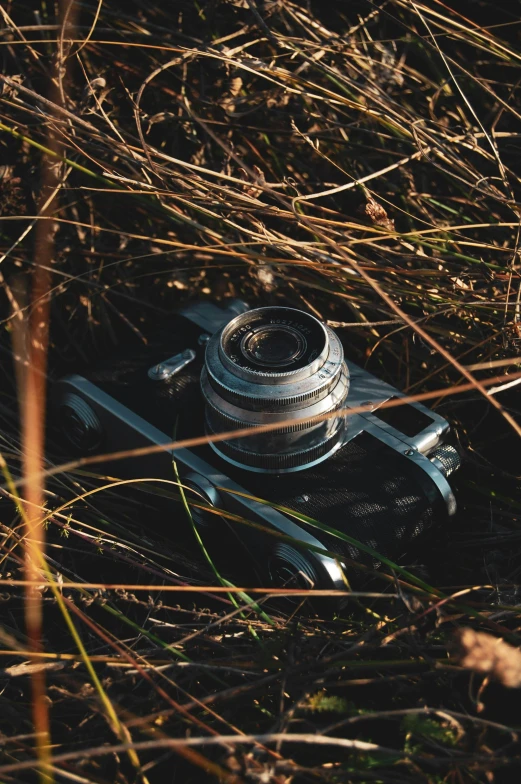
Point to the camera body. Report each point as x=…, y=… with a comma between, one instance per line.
x=379, y=476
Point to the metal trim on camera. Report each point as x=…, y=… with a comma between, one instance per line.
x=273, y=365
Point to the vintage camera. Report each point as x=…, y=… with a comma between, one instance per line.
x=380, y=476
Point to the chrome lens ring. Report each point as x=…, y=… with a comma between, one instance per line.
x=306, y=377
x=307, y=334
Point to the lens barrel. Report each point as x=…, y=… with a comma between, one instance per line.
x=272, y=365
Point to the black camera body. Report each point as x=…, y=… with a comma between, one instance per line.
x=379, y=476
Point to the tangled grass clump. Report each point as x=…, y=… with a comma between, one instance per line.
x=357, y=160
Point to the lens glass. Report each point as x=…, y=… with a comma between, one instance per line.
x=273, y=340
x=274, y=346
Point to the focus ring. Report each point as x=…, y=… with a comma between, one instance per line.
x=256, y=402
x=225, y=422
x=280, y=402
x=279, y=462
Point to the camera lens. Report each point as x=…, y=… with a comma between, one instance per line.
x=276, y=342
x=269, y=366
x=273, y=346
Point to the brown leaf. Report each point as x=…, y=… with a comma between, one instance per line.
x=230, y=98
x=489, y=655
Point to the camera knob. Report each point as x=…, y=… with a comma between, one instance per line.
x=203, y=487
x=80, y=423
x=289, y=568
x=446, y=458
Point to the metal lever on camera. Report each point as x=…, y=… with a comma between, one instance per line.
x=208, y=317
x=171, y=367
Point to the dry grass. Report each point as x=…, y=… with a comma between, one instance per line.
x=359, y=160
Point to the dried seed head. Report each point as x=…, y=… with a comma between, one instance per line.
x=375, y=214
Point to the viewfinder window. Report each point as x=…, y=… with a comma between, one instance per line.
x=405, y=418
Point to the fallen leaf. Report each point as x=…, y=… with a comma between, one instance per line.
x=483, y=653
